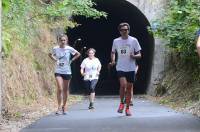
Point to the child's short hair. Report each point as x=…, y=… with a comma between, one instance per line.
x=91, y=49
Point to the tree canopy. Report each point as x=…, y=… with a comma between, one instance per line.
x=22, y=17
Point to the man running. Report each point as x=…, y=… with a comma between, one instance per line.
x=128, y=50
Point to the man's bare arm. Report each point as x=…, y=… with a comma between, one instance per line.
x=112, y=58
x=136, y=55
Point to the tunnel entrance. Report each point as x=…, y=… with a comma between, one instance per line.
x=99, y=34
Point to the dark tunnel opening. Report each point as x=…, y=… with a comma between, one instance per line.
x=99, y=34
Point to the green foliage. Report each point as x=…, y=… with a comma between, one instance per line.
x=179, y=25
x=21, y=18
x=37, y=65
x=7, y=40
x=17, y=29
x=59, y=13
x=17, y=114
x=84, y=7
x=5, y=5
x=164, y=101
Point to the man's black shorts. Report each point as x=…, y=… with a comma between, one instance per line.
x=130, y=76
x=64, y=76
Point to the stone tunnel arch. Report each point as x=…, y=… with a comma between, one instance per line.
x=100, y=33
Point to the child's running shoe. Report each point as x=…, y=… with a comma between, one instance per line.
x=91, y=106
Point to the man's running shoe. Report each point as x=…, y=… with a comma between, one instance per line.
x=131, y=103
x=128, y=113
x=121, y=108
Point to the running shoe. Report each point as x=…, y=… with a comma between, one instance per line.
x=121, y=108
x=128, y=113
x=64, y=111
x=131, y=103
x=91, y=106
x=59, y=111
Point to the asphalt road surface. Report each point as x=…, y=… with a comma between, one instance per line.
x=147, y=117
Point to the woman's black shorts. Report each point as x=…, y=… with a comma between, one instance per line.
x=64, y=76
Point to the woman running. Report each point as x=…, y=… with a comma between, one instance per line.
x=61, y=54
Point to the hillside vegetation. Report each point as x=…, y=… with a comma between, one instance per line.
x=180, y=86
x=29, y=32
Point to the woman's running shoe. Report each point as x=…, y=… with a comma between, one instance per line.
x=64, y=111
x=59, y=111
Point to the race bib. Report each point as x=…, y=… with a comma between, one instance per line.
x=88, y=77
x=125, y=51
x=91, y=76
x=62, y=63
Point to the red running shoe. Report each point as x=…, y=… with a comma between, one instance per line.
x=128, y=113
x=121, y=108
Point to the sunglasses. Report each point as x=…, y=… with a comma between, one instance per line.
x=123, y=29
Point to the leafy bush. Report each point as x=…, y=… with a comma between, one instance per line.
x=179, y=26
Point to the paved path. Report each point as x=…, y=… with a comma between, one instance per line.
x=147, y=117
